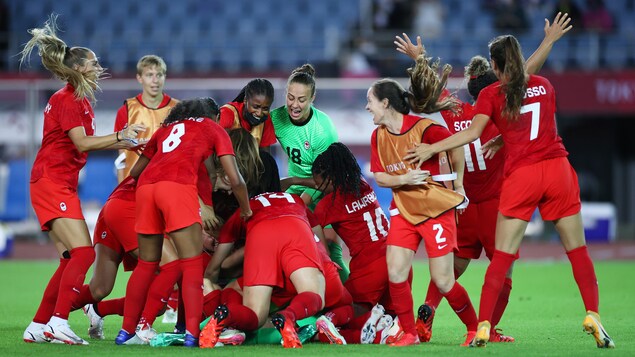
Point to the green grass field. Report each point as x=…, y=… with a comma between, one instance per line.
x=544, y=315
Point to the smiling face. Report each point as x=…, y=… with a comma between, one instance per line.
x=258, y=105
x=299, y=101
x=152, y=79
x=376, y=107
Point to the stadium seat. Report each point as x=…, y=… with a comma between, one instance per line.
x=98, y=180
x=17, y=203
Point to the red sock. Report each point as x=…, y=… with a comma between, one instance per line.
x=110, y=307
x=303, y=305
x=137, y=293
x=460, y=302
x=85, y=297
x=73, y=279
x=584, y=275
x=173, y=301
x=494, y=279
x=210, y=303
x=501, y=303
x=358, y=322
x=230, y=296
x=241, y=317
x=433, y=296
x=401, y=296
x=192, y=290
x=160, y=290
x=340, y=315
x=352, y=336
x=47, y=305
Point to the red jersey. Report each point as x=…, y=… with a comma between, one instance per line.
x=121, y=120
x=126, y=190
x=177, y=150
x=533, y=137
x=226, y=120
x=58, y=159
x=265, y=206
x=204, y=185
x=360, y=221
x=482, y=179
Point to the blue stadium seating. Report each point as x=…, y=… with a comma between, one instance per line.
x=17, y=202
x=98, y=180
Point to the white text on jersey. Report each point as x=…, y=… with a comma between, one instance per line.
x=535, y=91
x=362, y=202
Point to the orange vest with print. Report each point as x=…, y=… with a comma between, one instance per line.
x=416, y=203
x=151, y=118
x=256, y=131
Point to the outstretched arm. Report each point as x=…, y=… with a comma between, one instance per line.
x=405, y=46
x=553, y=32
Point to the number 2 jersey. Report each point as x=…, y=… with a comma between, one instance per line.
x=533, y=136
x=359, y=221
x=482, y=178
x=177, y=150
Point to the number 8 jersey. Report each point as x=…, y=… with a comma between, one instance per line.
x=533, y=136
x=177, y=150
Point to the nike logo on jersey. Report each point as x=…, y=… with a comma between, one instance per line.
x=441, y=246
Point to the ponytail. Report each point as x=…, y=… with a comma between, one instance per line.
x=426, y=87
x=506, y=53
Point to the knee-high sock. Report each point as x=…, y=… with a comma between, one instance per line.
x=84, y=297
x=160, y=290
x=192, y=291
x=110, y=307
x=73, y=279
x=584, y=274
x=137, y=293
x=342, y=312
x=303, y=305
x=210, y=303
x=501, y=303
x=241, y=317
x=434, y=296
x=460, y=302
x=230, y=296
x=401, y=296
x=494, y=279
x=49, y=298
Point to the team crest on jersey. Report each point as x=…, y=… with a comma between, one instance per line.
x=103, y=235
x=306, y=145
x=63, y=206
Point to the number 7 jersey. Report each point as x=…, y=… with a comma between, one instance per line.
x=533, y=136
x=177, y=150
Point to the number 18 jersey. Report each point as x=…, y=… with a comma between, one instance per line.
x=177, y=150
x=533, y=136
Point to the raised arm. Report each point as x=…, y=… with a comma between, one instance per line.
x=553, y=32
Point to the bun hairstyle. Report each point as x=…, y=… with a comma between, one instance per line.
x=304, y=74
x=479, y=75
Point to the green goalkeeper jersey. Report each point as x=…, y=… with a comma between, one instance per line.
x=303, y=143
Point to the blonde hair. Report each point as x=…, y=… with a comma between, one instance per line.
x=151, y=61
x=505, y=51
x=60, y=59
x=426, y=87
x=248, y=159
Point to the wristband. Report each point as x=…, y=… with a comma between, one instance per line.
x=118, y=140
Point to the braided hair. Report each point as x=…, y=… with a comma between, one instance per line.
x=258, y=86
x=205, y=107
x=338, y=165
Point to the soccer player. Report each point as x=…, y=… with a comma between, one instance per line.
x=422, y=208
x=167, y=201
x=350, y=205
x=482, y=178
x=149, y=107
x=304, y=132
x=250, y=110
x=269, y=259
x=537, y=175
x=68, y=136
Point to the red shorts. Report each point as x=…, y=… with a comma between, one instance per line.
x=275, y=248
x=369, y=285
x=115, y=230
x=551, y=185
x=477, y=229
x=439, y=234
x=166, y=206
x=51, y=200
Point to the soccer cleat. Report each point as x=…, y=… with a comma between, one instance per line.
x=190, y=341
x=61, y=331
x=469, y=337
x=211, y=332
x=425, y=316
x=406, y=339
x=495, y=335
x=34, y=333
x=384, y=322
x=231, y=336
x=96, y=328
x=125, y=338
x=392, y=333
x=482, y=334
x=306, y=333
x=369, y=330
x=290, y=337
x=326, y=327
x=592, y=326
x=170, y=316
x=145, y=332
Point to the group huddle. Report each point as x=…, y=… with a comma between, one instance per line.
x=200, y=203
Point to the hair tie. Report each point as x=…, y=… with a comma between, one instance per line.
x=67, y=50
x=404, y=95
x=473, y=77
